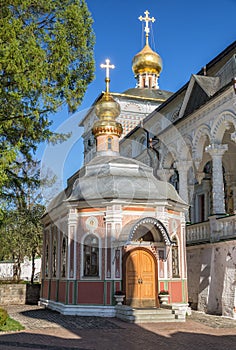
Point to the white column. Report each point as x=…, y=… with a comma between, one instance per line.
x=183, y=168
x=216, y=151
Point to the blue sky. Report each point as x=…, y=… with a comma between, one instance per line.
x=186, y=34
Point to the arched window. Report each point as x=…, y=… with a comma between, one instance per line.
x=174, y=180
x=109, y=143
x=54, y=259
x=175, y=258
x=47, y=261
x=63, y=257
x=91, y=256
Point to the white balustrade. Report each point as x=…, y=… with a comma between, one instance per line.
x=198, y=232
x=218, y=229
x=226, y=227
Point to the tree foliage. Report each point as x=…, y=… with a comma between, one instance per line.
x=20, y=226
x=21, y=236
x=46, y=59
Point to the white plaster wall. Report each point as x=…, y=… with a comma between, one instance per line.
x=6, y=269
x=198, y=267
x=229, y=285
x=212, y=277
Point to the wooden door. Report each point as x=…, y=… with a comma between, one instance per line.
x=140, y=279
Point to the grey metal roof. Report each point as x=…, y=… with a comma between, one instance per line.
x=209, y=84
x=156, y=94
x=112, y=177
x=107, y=178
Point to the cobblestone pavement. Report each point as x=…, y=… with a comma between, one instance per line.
x=46, y=329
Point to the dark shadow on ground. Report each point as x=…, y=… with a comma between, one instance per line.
x=60, y=332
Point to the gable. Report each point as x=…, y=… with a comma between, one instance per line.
x=197, y=98
x=199, y=91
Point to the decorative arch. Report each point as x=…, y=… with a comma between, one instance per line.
x=160, y=234
x=184, y=146
x=202, y=132
x=189, y=142
x=221, y=124
x=168, y=157
x=134, y=107
x=90, y=255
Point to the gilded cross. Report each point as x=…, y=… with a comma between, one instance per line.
x=147, y=19
x=108, y=66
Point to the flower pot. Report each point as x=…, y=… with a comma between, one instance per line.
x=119, y=299
x=164, y=298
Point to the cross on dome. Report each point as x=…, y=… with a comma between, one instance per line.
x=147, y=19
x=108, y=66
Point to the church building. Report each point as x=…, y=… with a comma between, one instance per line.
x=116, y=228
x=193, y=146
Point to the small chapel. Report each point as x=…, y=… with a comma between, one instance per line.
x=115, y=229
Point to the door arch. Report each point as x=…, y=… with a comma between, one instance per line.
x=141, y=278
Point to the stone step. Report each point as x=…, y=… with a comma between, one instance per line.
x=135, y=315
x=152, y=311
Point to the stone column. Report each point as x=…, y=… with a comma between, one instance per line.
x=183, y=168
x=216, y=151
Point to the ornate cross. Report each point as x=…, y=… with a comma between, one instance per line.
x=147, y=20
x=108, y=66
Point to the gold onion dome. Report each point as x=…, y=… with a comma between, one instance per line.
x=107, y=109
x=147, y=61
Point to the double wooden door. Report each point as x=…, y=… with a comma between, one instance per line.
x=141, y=279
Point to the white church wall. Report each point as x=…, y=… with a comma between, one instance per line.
x=212, y=277
x=198, y=267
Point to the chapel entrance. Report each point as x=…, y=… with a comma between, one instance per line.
x=141, y=279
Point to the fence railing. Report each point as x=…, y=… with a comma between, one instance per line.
x=213, y=230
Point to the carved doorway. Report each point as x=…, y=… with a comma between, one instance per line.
x=141, y=279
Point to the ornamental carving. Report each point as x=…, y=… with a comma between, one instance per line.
x=158, y=225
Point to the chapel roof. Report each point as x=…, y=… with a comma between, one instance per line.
x=125, y=180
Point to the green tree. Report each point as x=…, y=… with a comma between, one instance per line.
x=21, y=228
x=21, y=236
x=46, y=59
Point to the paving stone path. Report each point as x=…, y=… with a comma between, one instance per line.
x=35, y=317
x=49, y=330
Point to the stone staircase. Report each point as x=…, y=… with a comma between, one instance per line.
x=170, y=313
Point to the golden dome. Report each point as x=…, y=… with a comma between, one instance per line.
x=147, y=61
x=107, y=109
